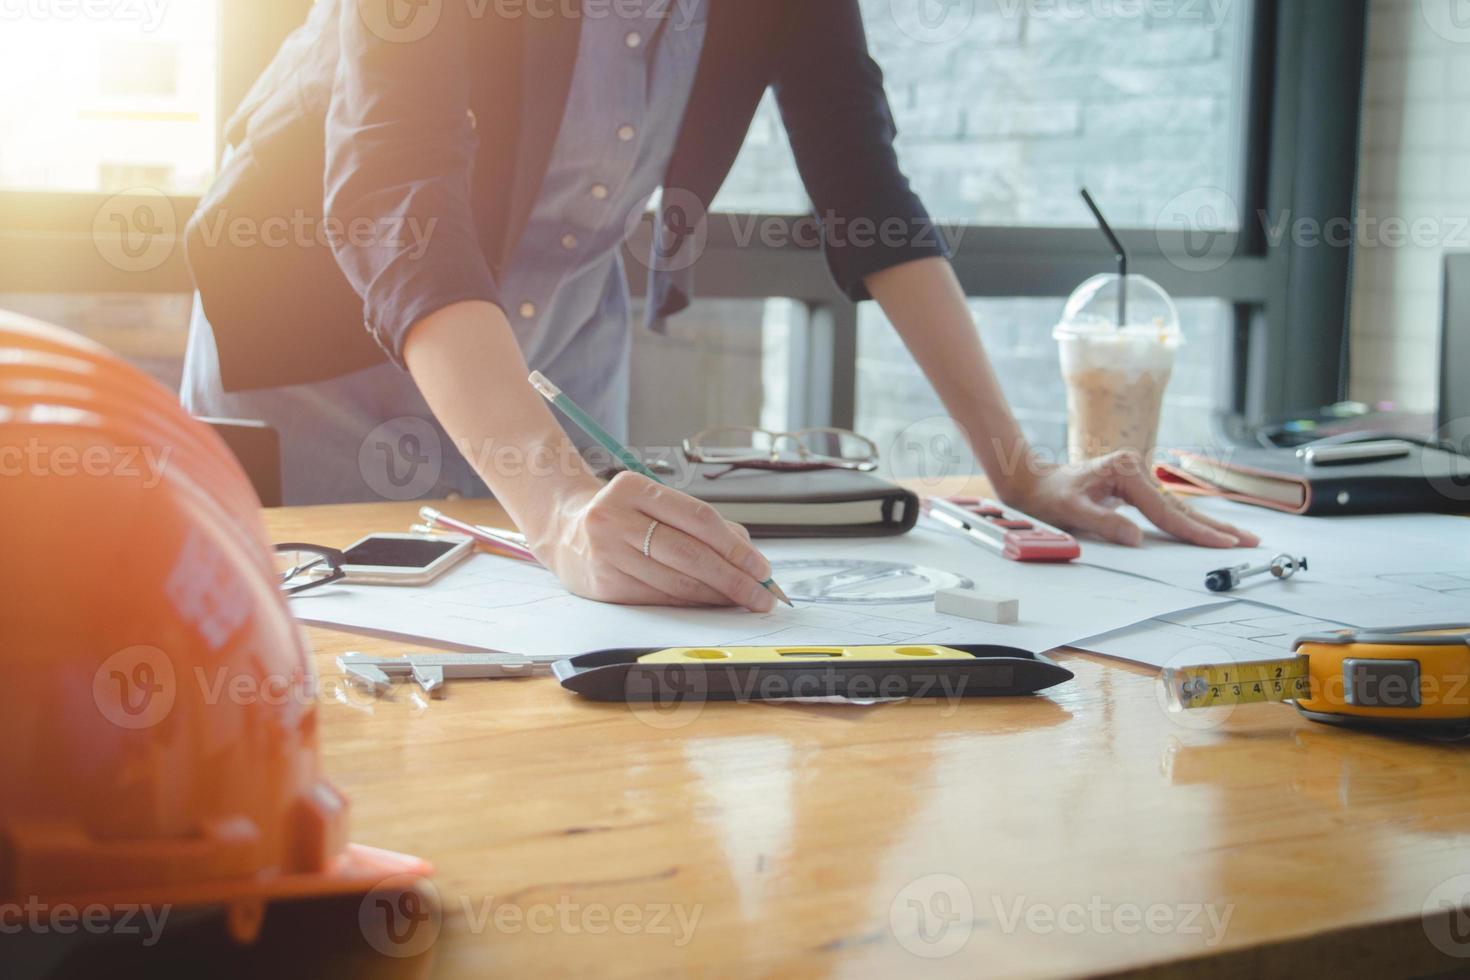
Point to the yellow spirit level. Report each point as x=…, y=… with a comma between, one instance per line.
x=1414, y=679
x=914, y=670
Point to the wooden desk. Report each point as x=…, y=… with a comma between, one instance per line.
x=1082, y=832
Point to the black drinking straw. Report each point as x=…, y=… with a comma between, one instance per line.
x=1118, y=250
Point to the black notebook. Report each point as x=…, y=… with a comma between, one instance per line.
x=1427, y=479
x=814, y=504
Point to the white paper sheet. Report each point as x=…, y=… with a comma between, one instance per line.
x=493, y=603
x=1239, y=632
x=1390, y=570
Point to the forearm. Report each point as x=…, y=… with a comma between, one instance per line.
x=466, y=362
x=926, y=305
x=598, y=539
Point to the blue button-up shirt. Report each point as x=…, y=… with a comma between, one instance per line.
x=370, y=434
x=564, y=288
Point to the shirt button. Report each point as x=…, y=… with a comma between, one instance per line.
x=599, y=191
x=626, y=132
x=633, y=39
x=569, y=241
x=527, y=310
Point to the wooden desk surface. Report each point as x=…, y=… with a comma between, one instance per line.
x=1083, y=832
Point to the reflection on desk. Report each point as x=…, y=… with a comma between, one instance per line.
x=1082, y=832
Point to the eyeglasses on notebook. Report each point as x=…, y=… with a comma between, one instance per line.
x=752, y=447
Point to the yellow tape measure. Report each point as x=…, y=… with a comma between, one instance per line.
x=1206, y=687
x=1416, y=678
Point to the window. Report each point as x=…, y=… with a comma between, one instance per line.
x=720, y=363
x=1004, y=109
x=899, y=410
x=1001, y=123
x=108, y=98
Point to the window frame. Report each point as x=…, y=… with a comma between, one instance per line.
x=1300, y=125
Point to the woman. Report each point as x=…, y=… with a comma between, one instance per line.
x=491, y=155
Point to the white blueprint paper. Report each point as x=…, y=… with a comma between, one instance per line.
x=1390, y=570
x=1237, y=632
x=493, y=603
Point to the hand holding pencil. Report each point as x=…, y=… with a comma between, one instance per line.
x=668, y=542
x=631, y=541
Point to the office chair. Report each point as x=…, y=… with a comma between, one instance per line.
x=258, y=448
x=1454, y=358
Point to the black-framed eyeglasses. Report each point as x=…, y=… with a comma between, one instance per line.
x=752, y=447
x=307, y=566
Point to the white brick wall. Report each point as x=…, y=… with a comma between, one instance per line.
x=1005, y=107
x=1416, y=171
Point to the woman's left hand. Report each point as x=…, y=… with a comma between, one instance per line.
x=1083, y=497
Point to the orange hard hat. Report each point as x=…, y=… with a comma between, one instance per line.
x=159, y=738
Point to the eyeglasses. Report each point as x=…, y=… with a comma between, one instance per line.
x=307, y=566
x=751, y=447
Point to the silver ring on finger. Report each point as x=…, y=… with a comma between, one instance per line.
x=648, y=539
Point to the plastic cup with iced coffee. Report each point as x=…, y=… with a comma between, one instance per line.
x=1116, y=369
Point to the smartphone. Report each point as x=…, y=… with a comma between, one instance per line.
x=403, y=559
x=1347, y=453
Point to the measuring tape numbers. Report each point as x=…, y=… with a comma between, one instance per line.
x=1414, y=679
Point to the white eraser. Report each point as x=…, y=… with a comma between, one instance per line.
x=973, y=605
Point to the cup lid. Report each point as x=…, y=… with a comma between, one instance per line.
x=1093, y=310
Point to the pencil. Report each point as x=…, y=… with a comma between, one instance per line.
x=605, y=439
x=435, y=531
x=506, y=543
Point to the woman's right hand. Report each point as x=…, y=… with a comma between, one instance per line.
x=594, y=544
x=465, y=360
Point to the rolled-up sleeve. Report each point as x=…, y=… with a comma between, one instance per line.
x=400, y=151
x=830, y=93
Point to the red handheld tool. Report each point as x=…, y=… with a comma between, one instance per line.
x=1013, y=534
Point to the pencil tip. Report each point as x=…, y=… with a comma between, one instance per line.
x=777, y=591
